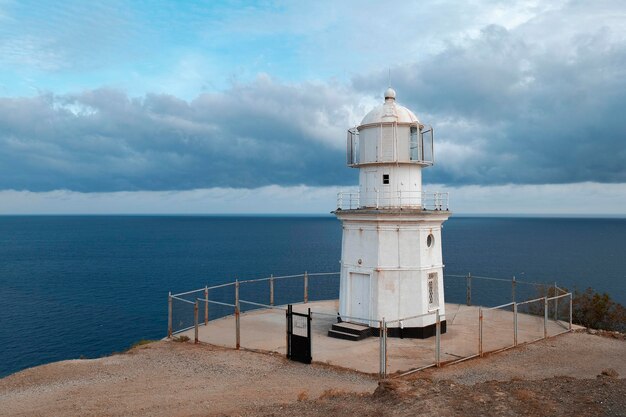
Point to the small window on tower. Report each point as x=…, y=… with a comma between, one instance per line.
x=433, y=296
x=385, y=178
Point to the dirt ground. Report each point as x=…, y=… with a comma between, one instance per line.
x=560, y=376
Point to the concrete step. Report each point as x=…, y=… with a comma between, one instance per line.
x=360, y=330
x=343, y=335
x=350, y=331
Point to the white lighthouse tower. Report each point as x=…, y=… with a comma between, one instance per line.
x=391, y=263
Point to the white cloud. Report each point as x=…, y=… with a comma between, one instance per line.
x=270, y=199
x=32, y=52
x=585, y=198
x=581, y=199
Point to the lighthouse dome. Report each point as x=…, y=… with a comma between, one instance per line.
x=389, y=112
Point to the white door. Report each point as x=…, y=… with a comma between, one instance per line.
x=359, y=297
x=371, y=188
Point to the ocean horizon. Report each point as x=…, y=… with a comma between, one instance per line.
x=90, y=285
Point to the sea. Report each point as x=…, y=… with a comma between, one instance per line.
x=89, y=286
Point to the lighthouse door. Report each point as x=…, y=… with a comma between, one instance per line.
x=371, y=198
x=359, y=297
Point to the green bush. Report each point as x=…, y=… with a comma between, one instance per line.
x=589, y=308
x=598, y=311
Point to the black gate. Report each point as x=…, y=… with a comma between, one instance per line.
x=298, y=336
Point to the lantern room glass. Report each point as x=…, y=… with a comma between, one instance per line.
x=414, y=153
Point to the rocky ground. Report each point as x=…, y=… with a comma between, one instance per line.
x=573, y=374
x=557, y=396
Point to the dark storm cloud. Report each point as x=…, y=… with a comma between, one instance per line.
x=101, y=140
x=509, y=111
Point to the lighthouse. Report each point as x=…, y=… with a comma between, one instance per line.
x=391, y=257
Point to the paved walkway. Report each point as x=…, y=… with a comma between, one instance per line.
x=265, y=329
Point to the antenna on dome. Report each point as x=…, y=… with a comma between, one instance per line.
x=389, y=78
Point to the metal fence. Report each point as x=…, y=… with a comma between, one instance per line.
x=426, y=200
x=532, y=311
x=195, y=308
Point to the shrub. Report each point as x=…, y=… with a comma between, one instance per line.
x=598, y=311
x=141, y=343
x=589, y=308
x=182, y=338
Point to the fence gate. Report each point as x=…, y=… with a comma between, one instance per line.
x=298, y=336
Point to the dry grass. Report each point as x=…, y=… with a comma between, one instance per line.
x=181, y=339
x=332, y=393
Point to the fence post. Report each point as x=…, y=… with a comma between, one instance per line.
x=385, y=344
x=480, y=331
x=383, y=348
x=306, y=287
x=169, y=315
x=515, y=323
x=570, y=311
x=206, y=305
x=545, y=317
x=308, y=333
x=469, y=289
x=513, y=285
x=195, y=322
x=288, y=332
x=272, y=289
x=237, y=329
x=380, y=349
x=556, y=303
x=438, y=339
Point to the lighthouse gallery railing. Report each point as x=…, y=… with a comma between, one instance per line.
x=426, y=200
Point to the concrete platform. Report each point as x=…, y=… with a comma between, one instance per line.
x=265, y=329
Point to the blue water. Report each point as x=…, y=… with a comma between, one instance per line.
x=86, y=286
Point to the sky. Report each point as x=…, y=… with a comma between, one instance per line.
x=242, y=107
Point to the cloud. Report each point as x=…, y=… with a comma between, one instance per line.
x=269, y=199
x=531, y=110
x=584, y=199
x=537, y=98
x=51, y=37
x=552, y=199
x=183, y=48
x=102, y=140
